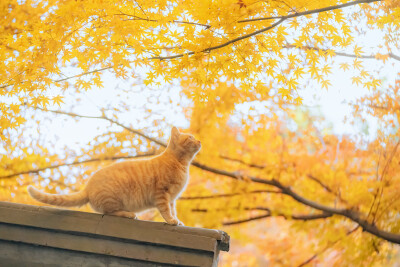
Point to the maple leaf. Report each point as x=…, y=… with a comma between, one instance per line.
x=357, y=51
x=298, y=72
x=326, y=69
x=36, y=101
x=325, y=84
x=344, y=66
x=356, y=64
x=57, y=100
x=356, y=80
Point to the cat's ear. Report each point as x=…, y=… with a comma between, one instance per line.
x=174, y=133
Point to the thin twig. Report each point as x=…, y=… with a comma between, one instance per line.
x=251, y=165
x=309, y=260
x=300, y=217
x=230, y=195
x=315, y=179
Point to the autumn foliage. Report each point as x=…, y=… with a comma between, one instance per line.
x=287, y=188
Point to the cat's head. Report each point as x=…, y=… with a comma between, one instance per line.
x=185, y=142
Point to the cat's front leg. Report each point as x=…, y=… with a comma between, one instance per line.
x=162, y=202
x=173, y=211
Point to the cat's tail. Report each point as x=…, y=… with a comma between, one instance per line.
x=70, y=200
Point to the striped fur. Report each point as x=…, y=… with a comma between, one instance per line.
x=127, y=187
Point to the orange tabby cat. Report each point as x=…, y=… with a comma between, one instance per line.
x=127, y=187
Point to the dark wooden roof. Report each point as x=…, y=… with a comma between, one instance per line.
x=32, y=235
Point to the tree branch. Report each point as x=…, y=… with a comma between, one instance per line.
x=236, y=208
x=348, y=213
x=107, y=119
x=229, y=195
x=309, y=12
x=247, y=220
x=251, y=165
x=69, y=77
x=75, y=163
x=305, y=47
x=83, y=74
x=171, y=21
x=327, y=188
x=300, y=217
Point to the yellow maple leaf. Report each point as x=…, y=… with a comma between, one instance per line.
x=344, y=66
x=57, y=100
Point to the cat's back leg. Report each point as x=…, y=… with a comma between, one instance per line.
x=103, y=193
x=105, y=201
x=105, y=204
x=122, y=213
x=110, y=205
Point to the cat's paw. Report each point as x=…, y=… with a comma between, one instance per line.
x=180, y=223
x=173, y=222
x=131, y=215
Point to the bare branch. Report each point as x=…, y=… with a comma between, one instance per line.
x=107, y=119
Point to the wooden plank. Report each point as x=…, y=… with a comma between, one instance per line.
x=113, y=247
x=20, y=254
x=154, y=232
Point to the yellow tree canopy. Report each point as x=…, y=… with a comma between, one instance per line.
x=289, y=191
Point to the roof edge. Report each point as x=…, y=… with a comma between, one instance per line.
x=112, y=226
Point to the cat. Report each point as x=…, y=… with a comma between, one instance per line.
x=125, y=188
